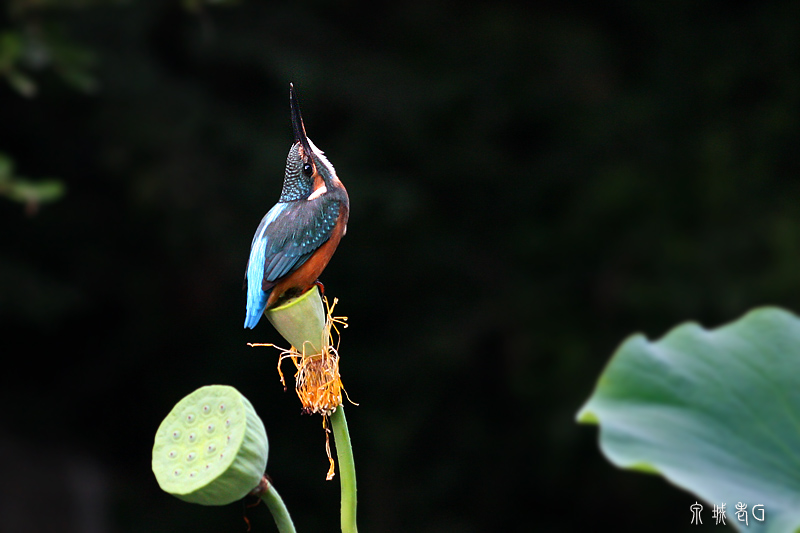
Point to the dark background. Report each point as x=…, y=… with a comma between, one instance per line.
x=529, y=184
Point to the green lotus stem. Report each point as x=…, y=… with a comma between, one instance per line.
x=303, y=322
x=276, y=506
x=347, y=470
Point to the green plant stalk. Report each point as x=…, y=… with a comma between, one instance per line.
x=301, y=321
x=347, y=469
x=278, y=509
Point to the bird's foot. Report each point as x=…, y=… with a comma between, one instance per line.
x=319, y=284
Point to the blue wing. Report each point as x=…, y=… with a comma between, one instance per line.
x=287, y=236
x=257, y=298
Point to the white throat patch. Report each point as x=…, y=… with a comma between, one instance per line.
x=319, y=192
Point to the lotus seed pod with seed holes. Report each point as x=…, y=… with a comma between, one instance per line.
x=301, y=321
x=211, y=448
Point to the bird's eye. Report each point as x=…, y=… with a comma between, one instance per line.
x=308, y=169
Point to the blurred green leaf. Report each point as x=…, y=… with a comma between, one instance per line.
x=6, y=168
x=23, y=190
x=715, y=412
x=51, y=47
x=10, y=49
x=22, y=83
x=38, y=192
x=41, y=47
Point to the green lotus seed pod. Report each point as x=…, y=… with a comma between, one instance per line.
x=301, y=321
x=211, y=448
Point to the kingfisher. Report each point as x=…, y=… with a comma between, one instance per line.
x=297, y=237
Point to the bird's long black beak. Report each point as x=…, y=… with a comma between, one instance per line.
x=297, y=122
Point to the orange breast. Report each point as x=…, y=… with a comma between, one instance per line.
x=304, y=277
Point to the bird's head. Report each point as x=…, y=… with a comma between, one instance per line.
x=308, y=171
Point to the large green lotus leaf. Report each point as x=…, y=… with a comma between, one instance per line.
x=715, y=412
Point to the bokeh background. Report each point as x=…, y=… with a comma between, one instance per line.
x=530, y=183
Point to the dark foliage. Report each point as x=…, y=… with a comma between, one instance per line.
x=529, y=185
